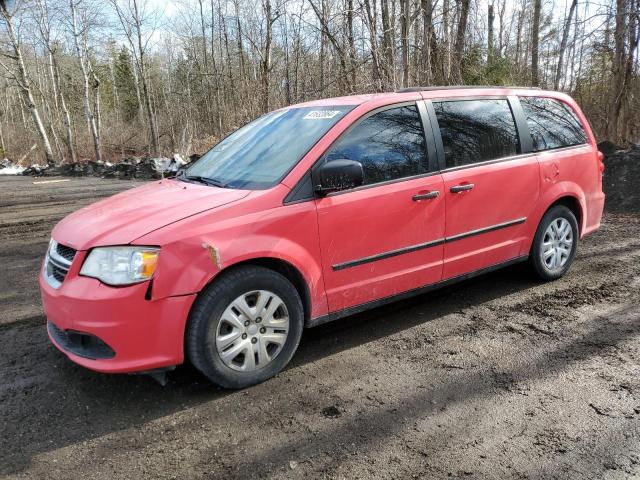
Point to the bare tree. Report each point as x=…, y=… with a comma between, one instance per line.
x=563, y=44
x=388, y=35
x=266, y=56
x=21, y=77
x=460, y=36
x=216, y=64
x=80, y=33
x=490, y=39
x=405, y=25
x=133, y=18
x=535, y=39
x=51, y=45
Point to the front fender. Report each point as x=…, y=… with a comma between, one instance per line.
x=207, y=246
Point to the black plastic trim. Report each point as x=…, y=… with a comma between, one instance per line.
x=522, y=127
x=421, y=246
x=437, y=136
x=480, y=231
x=314, y=322
x=429, y=137
x=489, y=162
x=302, y=192
x=82, y=344
x=391, y=253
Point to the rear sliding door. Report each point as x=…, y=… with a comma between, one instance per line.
x=490, y=185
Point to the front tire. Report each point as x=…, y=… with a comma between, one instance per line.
x=245, y=327
x=555, y=243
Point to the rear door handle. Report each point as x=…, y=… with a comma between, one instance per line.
x=462, y=188
x=425, y=196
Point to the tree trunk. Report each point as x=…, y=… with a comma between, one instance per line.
x=446, y=40
x=633, y=29
x=216, y=78
x=22, y=78
x=353, y=61
x=81, y=52
x=429, y=51
x=3, y=148
x=404, y=33
x=66, y=118
x=205, y=79
x=373, y=40
x=460, y=36
x=563, y=45
x=491, y=16
x=618, y=87
x=266, y=56
x=535, y=39
x=387, y=45
x=155, y=150
x=95, y=86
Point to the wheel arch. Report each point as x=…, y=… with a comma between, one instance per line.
x=566, y=194
x=573, y=204
x=281, y=266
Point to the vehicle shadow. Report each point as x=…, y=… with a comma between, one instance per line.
x=374, y=427
x=47, y=403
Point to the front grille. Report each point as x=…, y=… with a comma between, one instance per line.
x=66, y=252
x=57, y=263
x=79, y=343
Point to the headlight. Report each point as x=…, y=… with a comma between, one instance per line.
x=121, y=265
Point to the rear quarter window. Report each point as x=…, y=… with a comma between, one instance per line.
x=552, y=124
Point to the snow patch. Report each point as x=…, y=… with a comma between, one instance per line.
x=8, y=168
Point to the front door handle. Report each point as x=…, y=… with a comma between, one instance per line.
x=462, y=188
x=426, y=195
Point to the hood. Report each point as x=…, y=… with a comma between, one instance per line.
x=121, y=219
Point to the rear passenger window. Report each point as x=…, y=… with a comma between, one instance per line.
x=552, y=124
x=390, y=144
x=476, y=131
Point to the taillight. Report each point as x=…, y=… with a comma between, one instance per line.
x=601, y=161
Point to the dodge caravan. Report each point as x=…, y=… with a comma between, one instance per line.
x=314, y=212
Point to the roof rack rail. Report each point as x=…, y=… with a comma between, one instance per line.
x=458, y=87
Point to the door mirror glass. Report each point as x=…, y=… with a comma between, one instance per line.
x=338, y=175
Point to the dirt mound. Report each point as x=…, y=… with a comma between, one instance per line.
x=621, y=173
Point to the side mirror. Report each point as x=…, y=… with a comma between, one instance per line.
x=338, y=175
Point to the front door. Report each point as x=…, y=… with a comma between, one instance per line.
x=490, y=188
x=385, y=237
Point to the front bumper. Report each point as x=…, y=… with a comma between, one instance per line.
x=142, y=334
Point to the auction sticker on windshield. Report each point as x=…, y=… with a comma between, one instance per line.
x=321, y=114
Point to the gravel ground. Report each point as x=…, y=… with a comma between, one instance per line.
x=499, y=377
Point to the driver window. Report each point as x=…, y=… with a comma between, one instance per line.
x=389, y=144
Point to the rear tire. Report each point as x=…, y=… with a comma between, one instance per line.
x=245, y=327
x=555, y=243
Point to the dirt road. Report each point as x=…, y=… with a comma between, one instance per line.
x=499, y=377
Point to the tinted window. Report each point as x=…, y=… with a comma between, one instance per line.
x=552, y=123
x=258, y=155
x=476, y=131
x=390, y=144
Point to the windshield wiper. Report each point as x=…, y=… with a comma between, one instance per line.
x=206, y=180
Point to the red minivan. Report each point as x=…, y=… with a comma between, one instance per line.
x=314, y=212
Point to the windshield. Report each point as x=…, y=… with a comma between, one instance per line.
x=261, y=153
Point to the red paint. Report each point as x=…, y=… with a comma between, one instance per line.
x=147, y=331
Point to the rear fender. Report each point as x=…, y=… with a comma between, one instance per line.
x=548, y=197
